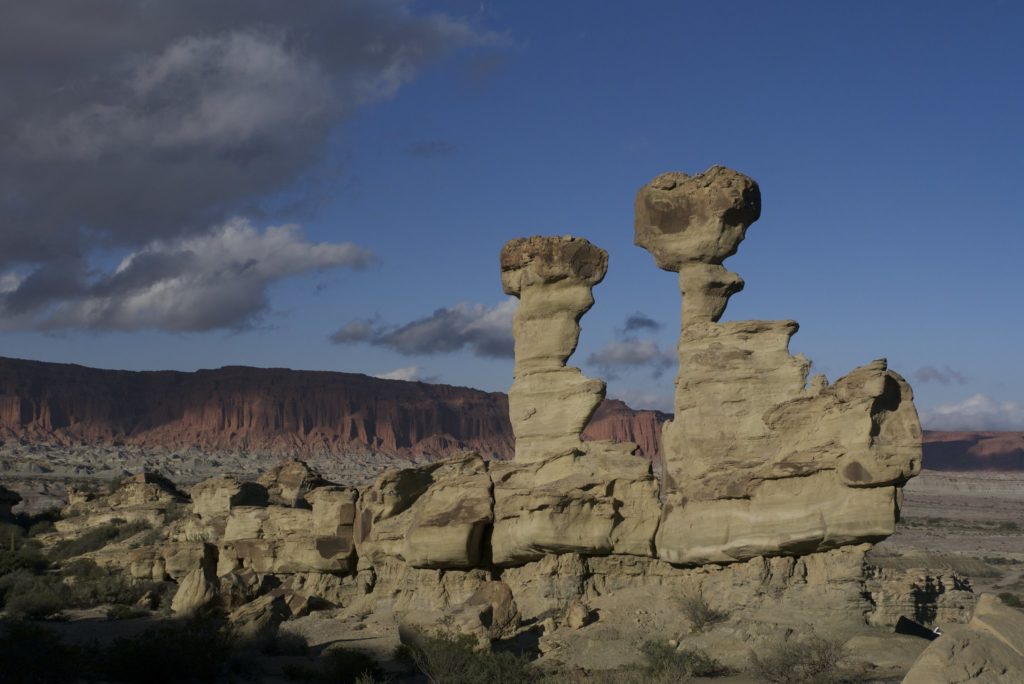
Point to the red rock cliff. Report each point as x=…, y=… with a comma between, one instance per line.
x=271, y=410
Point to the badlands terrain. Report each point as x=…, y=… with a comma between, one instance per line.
x=281, y=526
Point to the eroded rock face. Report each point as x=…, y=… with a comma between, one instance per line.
x=550, y=403
x=579, y=502
x=429, y=517
x=759, y=461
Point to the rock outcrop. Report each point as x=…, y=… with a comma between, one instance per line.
x=272, y=412
x=987, y=650
x=759, y=461
x=550, y=403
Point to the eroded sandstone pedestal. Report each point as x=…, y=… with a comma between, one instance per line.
x=758, y=461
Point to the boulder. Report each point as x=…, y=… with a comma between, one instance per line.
x=288, y=483
x=195, y=591
x=434, y=516
x=987, y=650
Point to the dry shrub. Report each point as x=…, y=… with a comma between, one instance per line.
x=813, y=660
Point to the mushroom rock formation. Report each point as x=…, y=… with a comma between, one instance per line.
x=561, y=494
x=758, y=461
x=550, y=403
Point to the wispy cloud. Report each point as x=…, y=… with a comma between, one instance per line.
x=485, y=331
x=631, y=354
x=407, y=373
x=640, y=322
x=978, y=412
x=945, y=376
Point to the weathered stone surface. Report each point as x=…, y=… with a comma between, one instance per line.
x=195, y=591
x=987, y=650
x=334, y=510
x=758, y=461
x=213, y=499
x=430, y=517
x=933, y=599
x=549, y=403
x=594, y=502
x=261, y=616
x=288, y=483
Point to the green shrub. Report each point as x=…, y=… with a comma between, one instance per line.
x=1011, y=600
x=28, y=556
x=123, y=612
x=700, y=614
x=666, y=664
x=31, y=654
x=26, y=595
x=811, y=660
x=194, y=650
x=454, y=659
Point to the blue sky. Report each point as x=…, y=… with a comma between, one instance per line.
x=405, y=143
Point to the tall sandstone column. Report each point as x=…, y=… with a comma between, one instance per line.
x=757, y=460
x=550, y=403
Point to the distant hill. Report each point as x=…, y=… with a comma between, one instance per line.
x=974, y=450
x=278, y=411
x=272, y=411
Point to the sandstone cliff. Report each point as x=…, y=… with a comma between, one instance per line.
x=272, y=410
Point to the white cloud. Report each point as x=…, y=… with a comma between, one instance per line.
x=216, y=280
x=486, y=331
x=632, y=353
x=978, y=412
x=408, y=373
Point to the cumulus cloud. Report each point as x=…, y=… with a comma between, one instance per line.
x=640, y=322
x=215, y=280
x=407, y=373
x=136, y=122
x=978, y=412
x=945, y=376
x=632, y=354
x=485, y=331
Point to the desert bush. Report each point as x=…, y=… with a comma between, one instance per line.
x=663, y=663
x=26, y=595
x=446, y=658
x=1011, y=600
x=123, y=612
x=338, y=666
x=97, y=538
x=196, y=650
x=27, y=556
x=811, y=660
x=700, y=614
x=31, y=654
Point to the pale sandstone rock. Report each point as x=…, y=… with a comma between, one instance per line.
x=334, y=510
x=599, y=502
x=260, y=617
x=430, y=517
x=213, y=499
x=287, y=484
x=549, y=403
x=757, y=461
x=989, y=649
x=195, y=591
x=577, y=616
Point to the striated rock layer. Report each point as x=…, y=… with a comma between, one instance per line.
x=272, y=411
x=757, y=460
